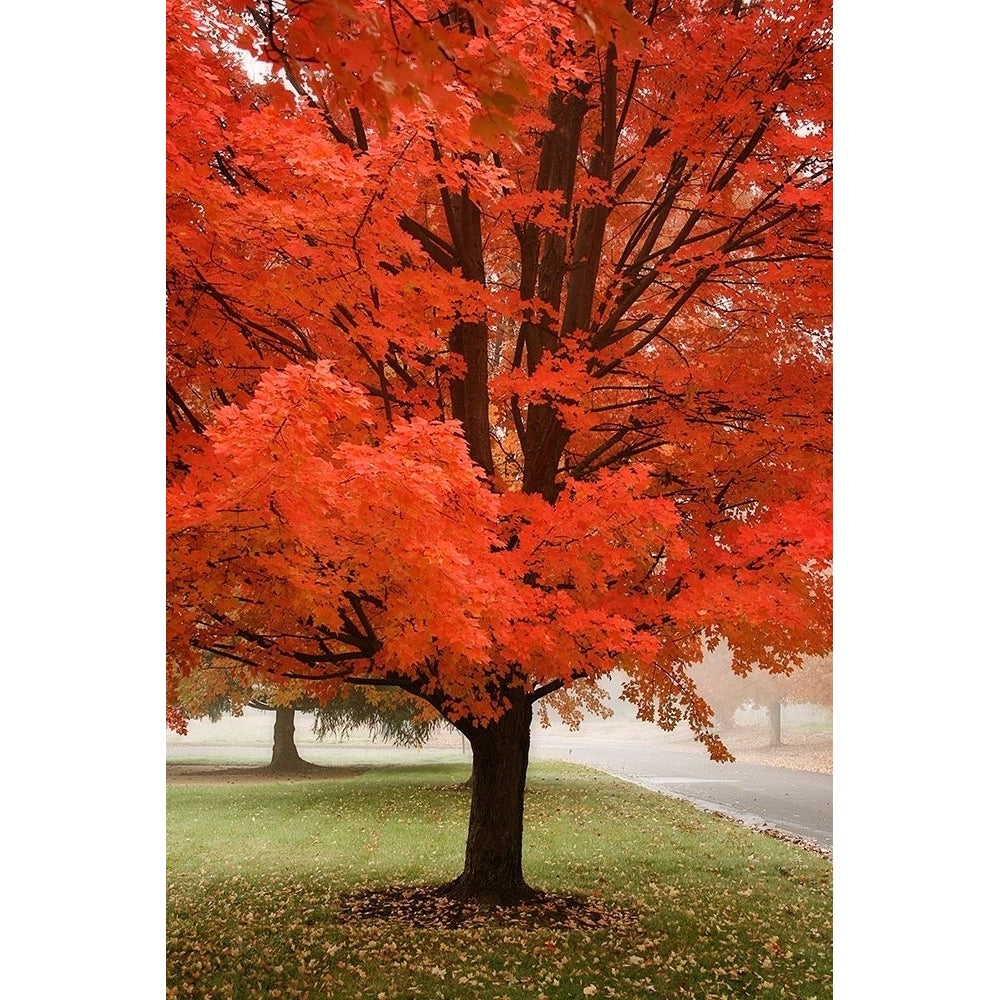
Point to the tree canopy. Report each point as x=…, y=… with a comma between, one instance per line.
x=499, y=349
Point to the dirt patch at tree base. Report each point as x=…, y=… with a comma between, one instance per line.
x=430, y=907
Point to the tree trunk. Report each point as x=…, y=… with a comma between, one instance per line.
x=493, y=871
x=285, y=755
x=774, y=716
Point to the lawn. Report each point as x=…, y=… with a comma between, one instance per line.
x=269, y=894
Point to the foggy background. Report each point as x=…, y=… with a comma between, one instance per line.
x=806, y=732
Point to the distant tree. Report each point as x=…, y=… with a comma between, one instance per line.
x=726, y=691
x=813, y=684
x=388, y=716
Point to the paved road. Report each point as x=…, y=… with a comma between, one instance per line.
x=796, y=802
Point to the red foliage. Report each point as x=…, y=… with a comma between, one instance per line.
x=176, y=721
x=499, y=344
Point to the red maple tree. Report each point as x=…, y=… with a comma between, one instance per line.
x=499, y=355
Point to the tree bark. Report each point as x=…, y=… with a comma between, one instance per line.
x=493, y=871
x=284, y=754
x=774, y=717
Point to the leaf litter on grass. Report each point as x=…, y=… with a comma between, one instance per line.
x=651, y=899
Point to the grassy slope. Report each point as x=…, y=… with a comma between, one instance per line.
x=705, y=908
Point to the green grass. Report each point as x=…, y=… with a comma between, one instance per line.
x=705, y=908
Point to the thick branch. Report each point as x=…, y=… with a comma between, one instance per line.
x=175, y=397
x=438, y=249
